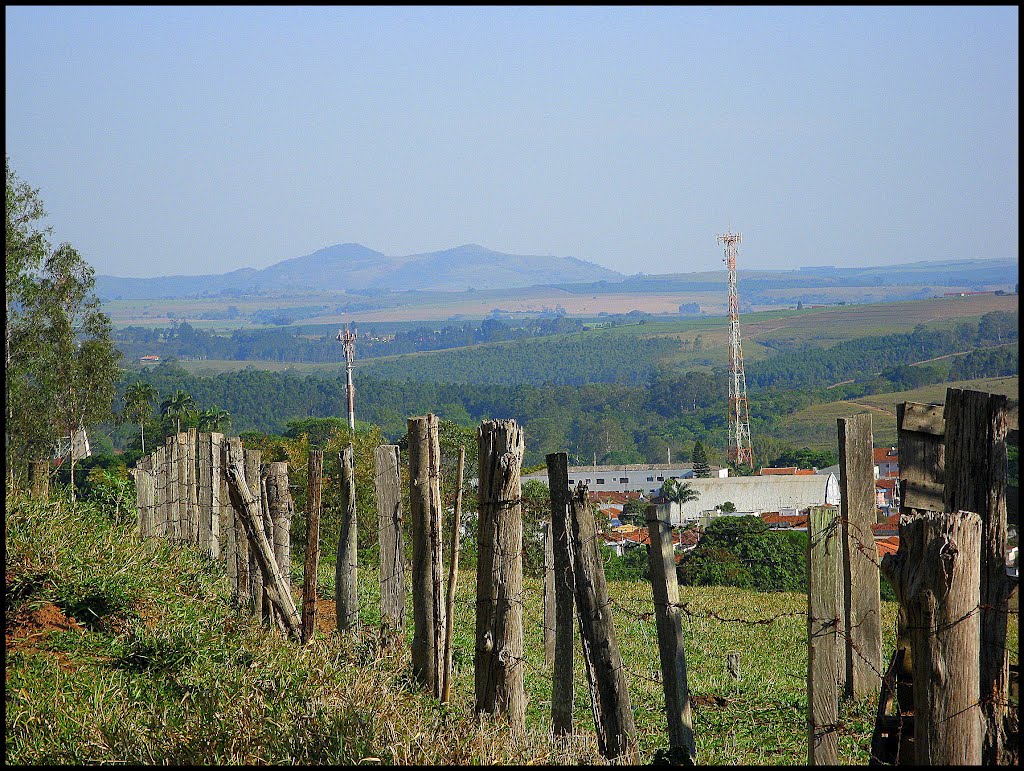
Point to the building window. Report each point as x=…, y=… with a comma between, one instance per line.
x=572, y=481
x=600, y=481
x=650, y=479
x=624, y=480
x=661, y=479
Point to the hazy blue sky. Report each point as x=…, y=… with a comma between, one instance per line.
x=199, y=140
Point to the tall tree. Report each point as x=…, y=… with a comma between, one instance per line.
x=214, y=419
x=177, y=406
x=679, y=491
x=62, y=365
x=701, y=469
x=138, y=406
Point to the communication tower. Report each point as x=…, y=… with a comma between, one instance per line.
x=740, y=450
x=348, y=342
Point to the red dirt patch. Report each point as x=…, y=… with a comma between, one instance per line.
x=27, y=626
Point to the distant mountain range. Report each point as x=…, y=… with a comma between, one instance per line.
x=355, y=267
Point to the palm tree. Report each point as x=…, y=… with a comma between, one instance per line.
x=678, y=491
x=180, y=405
x=214, y=419
x=138, y=406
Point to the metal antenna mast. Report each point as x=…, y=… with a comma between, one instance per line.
x=348, y=342
x=740, y=450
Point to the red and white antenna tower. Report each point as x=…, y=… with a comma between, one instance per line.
x=740, y=450
x=348, y=342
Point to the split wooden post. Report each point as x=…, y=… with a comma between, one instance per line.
x=191, y=485
x=975, y=444
x=609, y=691
x=227, y=524
x=39, y=474
x=346, y=589
x=427, y=575
x=159, y=492
x=498, y=662
x=824, y=623
x=549, y=595
x=280, y=507
x=936, y=576
x=267, y=607
x=562, y=676
x=173, y=489
x=251, y=466
x=388, y=485
x=665, y=588
x=862, y=608
x=453, y=577
x=246, y=503
x=204, y=478
x=218, y=496
x=314, y=488
x=243, y=585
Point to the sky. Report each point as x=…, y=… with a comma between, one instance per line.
x=196, y=140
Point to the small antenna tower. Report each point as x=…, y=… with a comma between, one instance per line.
x=348, y=342
x=740, y=450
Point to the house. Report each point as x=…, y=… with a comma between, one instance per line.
x=626, y=477
x=891, y=526
x=785, y=470
x=626, y=537
x=758, y=494
x=149, y=359
x=887, y=492
x=887, y=462
x=887, y=545
x=777, y=521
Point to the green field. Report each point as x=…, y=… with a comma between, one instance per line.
x=815, y=426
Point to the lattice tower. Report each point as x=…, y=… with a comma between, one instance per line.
x=348, y=342
x=740, y=449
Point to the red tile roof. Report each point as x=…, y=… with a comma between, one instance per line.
x=887, y=545
x=792, y=520
x=883, y=454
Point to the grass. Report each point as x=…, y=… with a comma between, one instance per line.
x=121, y=652
x=815, y=426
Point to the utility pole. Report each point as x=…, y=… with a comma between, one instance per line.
x=740, y=450
x=348, y=342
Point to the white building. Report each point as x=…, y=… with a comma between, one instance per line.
x=626, y=478
x=757, y=494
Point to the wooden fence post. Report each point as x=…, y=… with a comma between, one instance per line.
x=346, y=589
x=143, y=474
x=824, y=624
x=387, y=482
x=427, y=577
x=862, y=608
x=191, y=485
x=173, y=489
x=159, y=492
x=266, y=606
x=975, y=443
x=453, y=577
x=228, y=526
x=246, y=503
x=609, y=692
x=243, y=586
x=204, y=480
x=39, y=473
x=314, y=487
x=217, y=497
x=936, y=575
x=562, y=675
x=665, y=588
x=251, y=467
x=279, y=507
x=549, y=596
x=498, y=662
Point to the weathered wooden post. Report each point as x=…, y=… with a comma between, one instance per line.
x=173, y=495
x=975, y=445
x=239, y=542
x=346, y=589
x=665, y=587
x=314, y=487
x=862, y=609
x=192, y=485
x=143, y=474
x=824, y=623
x=39, y=475
x=732, y=664
x=562, y=676
x=159, y=492
x=498, y=662
x=549, y=596
x=204, y=481
x=936, y=576
x=609, y=692
x=267, y=607
x=427, y=576
x=247, y=504
x=227, y=526
x=251, y=467
x=387, y=483
x=453, y=577
x=280, y=507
